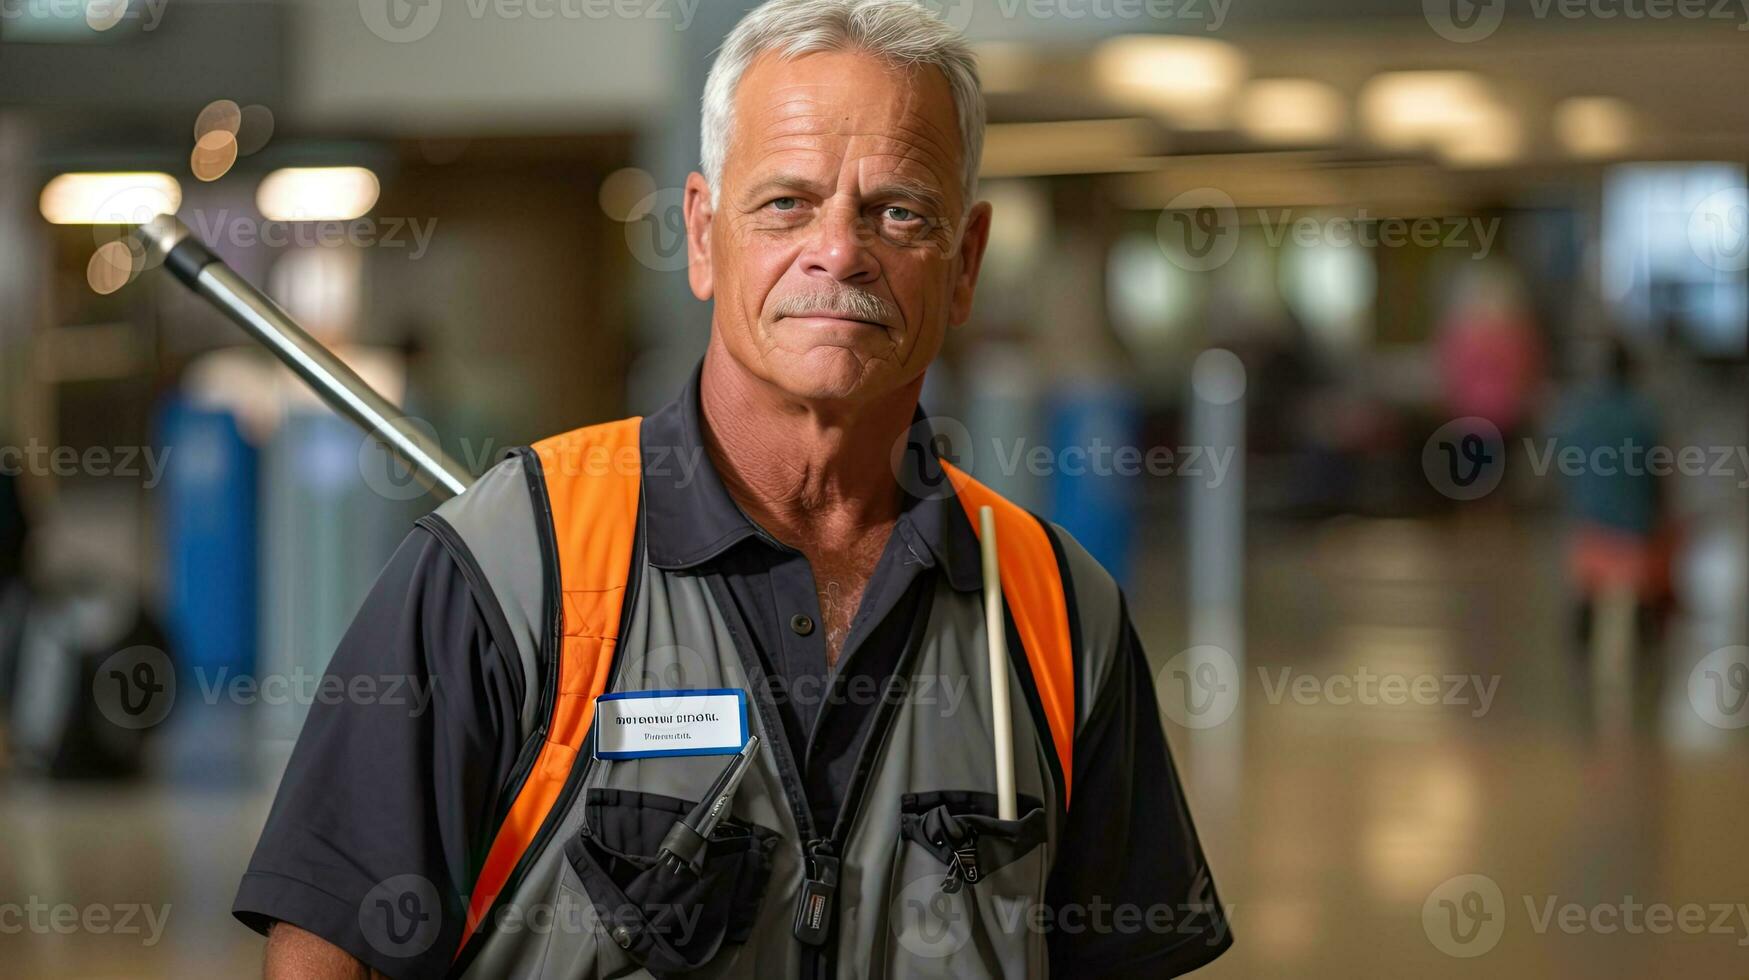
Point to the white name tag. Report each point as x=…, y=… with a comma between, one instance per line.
x=642, y=724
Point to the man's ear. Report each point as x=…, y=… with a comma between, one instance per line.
x=971, y=259
x=699, y=216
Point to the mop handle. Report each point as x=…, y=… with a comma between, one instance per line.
x=338, y=385
x=996, y=630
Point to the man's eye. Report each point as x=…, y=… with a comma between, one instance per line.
x=897, y=213
x=786, y=204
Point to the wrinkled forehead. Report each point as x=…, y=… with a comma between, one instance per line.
x=817, y=111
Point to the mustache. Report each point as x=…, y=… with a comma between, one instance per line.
x=846, y=301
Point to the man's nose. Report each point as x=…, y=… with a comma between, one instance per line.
x=840, y=248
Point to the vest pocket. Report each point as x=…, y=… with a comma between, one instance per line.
x=966, y=887
x=665, y=922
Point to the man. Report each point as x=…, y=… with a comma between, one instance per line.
x=600, y=620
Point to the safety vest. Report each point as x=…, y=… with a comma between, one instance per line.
x=918, y=875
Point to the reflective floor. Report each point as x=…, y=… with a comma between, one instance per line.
x=1411, y=709
x=1603, y=815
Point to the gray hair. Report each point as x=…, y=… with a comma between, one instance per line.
x=902, y=32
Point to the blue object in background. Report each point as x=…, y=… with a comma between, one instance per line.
x=210, y=538
x=1088, y=496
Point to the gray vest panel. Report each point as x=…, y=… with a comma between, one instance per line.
x=495, y=520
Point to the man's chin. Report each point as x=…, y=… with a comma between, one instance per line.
x=829, y=374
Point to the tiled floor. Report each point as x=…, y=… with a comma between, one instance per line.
x=1333, y=827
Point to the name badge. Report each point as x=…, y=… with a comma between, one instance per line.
x=646, y=724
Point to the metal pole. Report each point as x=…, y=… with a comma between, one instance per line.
x=337, y=384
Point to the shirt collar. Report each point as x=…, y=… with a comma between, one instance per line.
x=691, y=519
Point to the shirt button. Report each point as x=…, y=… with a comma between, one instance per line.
x=801, y=624
x=622, y=936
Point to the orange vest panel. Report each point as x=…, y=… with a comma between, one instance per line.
x=593, y=479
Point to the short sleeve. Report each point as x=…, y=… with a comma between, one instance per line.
x=1130, y=891
x=384, y=812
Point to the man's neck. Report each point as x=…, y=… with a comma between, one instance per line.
x=814, y=476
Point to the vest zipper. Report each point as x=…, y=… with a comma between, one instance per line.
x=816, y=908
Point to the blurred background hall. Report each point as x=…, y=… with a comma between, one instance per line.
x=1392, y=353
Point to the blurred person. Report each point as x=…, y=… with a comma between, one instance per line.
x=1489, y=353
x=1619, y=536
x=599, y=622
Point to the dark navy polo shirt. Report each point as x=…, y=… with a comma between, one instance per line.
x=377, y=790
